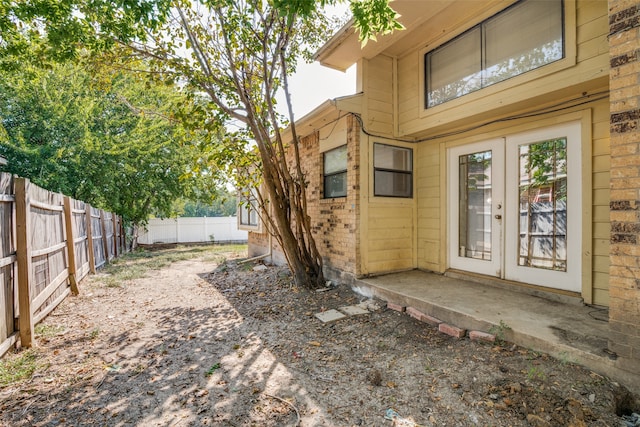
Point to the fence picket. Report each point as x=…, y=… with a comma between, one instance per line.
x=105, y=240
x=92, y=257
x=8, y=285
x=45, y=234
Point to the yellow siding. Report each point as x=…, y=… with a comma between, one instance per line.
x=390, y=235
x=387, y=224
x=589, y=10
x=402, y=234
x=432, y=193
x=591, y=50
x=408, y=88
x=428, y=183
x=379, y=91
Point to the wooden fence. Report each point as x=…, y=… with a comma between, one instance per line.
x=48, y=243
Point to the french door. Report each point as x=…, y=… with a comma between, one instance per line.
x=515, y=207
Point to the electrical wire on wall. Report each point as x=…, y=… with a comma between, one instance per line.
x=561, y=106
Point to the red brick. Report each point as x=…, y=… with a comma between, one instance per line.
x=396, y=307
x=454, y=331
x=431, y=320
x=482, y=336
x=415, y=313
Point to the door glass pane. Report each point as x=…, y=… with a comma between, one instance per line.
x=543, y=204
x=475, y=206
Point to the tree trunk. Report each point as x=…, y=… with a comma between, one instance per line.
x=288, y=216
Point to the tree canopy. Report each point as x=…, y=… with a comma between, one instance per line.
x=224, y=205
x=66, y=26
x=75, y=130
x=236, y=53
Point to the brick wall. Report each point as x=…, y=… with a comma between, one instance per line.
x=624, y=310
x=334, y=221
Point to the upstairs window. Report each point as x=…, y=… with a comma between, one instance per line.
x=526, y=36
x=393, y=171
x=335, y=173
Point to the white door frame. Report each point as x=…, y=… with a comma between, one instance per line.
x=569, y=280
x=505, y=209
x=489, y=267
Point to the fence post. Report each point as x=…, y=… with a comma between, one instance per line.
x=105, y=244
x=123, y=237
x=114, y=220
x=71, y=245
x=23, y=255
x=89, y=220
x=119, y=234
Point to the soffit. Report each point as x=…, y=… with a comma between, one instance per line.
x=425, y=22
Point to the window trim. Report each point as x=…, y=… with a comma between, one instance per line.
x=249, y=205
x=397, y=171
x=569, y=59
x=339, y=172
x=482, y=46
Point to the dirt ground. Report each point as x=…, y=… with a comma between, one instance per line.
x=209, y=341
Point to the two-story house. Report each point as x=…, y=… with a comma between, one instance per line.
x=492, y=138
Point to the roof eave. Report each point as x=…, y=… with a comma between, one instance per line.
x=324, y=113
x=324, y=53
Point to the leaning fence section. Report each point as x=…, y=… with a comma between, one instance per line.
x=48, y=243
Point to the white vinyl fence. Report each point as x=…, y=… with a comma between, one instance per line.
x=192, y=230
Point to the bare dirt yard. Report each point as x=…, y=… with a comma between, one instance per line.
x=191, y=337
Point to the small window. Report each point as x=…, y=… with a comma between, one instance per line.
x=248, y=211
x=524, y=37
x=335, y=173
x=393, y=171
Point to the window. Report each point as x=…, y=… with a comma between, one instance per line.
x=248, y=211
x=524, y=37
x=335, y=172
x=393, y=171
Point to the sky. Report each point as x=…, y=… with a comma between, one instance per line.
x=312, y=84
